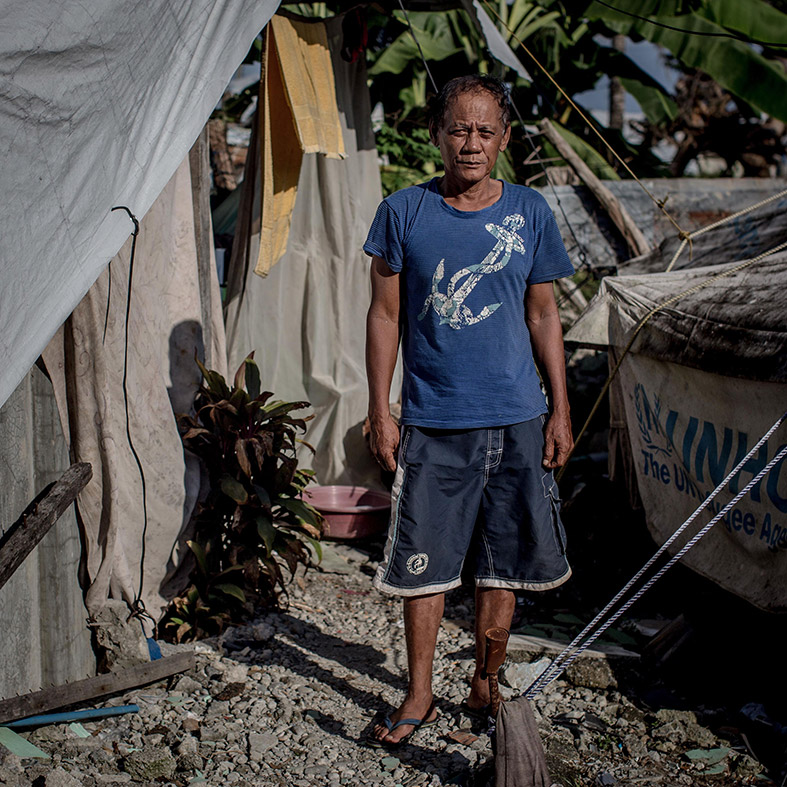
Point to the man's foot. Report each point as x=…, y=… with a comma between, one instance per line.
x=478, y=698
x=412, y=709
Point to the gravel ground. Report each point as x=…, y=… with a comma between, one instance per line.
x=288, y=699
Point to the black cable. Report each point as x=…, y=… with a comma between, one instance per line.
x=417, y=43
x=138, y=606
x=704, y=33
x=109, y=300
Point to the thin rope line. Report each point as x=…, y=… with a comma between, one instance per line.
x=642, y=324
x=582, y=255
x=659, y=203
x=564, y=660
x=417, y=43
x=719, y=223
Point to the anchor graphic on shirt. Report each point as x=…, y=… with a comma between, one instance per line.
x=451, y=306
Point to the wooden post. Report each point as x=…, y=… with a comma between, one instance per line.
x=223, y=169
x=619, y=215
x=495, y=655
x=91, y=688
x=22, y=537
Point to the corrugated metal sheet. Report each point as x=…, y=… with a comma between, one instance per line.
x=694, y=203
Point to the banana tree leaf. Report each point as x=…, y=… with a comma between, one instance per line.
x=504, y=167
x=588, y=154
x=762, y=83
x=753, y=19
x=433, y=31
x=654, y=100
x=658, y=107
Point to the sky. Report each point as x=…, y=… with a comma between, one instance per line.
x=649, y=57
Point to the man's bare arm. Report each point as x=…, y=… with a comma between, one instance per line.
x=382, y=346
x=546, y=335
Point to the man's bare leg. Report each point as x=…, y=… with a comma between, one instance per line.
x=493, y=607
x=422, y=616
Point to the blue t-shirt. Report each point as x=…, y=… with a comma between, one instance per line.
x=465, y=345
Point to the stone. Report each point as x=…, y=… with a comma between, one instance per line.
x=188, y=745
x=190, y=762
x=634, y=746
x=519, y=675
x=213, y=732
x=190, y=724
x=187, y=685
x=112, y=778
x=260, y=743
x=592, y=673
x=121, y=642
x=61, y=778
x=150, y=763
x=230, y=691
x=390, y=763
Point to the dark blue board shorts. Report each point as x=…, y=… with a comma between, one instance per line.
x=479, y=495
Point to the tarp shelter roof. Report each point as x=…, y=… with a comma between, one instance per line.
x=739, y=237
x=99, y=104
x=734, y=326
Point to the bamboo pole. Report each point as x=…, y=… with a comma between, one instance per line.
x=628, y=229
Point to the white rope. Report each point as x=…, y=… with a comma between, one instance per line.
x=566, y=657
x=691, y=235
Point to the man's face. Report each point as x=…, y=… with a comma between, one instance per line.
x=471, y=136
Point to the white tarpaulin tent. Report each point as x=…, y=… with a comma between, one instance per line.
x=704, y=380
x=99, y=104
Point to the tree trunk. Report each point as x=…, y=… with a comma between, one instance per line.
x=617, y=95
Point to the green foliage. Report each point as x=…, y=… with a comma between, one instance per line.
x=587, y=153
x=434, y=33
x=408, y=158
x=253, y=526
x=735, y=65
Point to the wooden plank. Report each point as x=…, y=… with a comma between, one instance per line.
x=523, y=643
x=628, y=229
x=23, y=536
x=92, y=688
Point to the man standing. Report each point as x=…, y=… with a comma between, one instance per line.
x=465, y=264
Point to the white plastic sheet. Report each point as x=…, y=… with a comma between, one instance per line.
x=100, y=101
x=306, y=319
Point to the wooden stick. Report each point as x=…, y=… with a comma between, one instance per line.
x=23, y=536
x=91, y=688
x=495, y=655
x=631, y=232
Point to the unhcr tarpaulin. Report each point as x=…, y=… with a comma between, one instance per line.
x=99, y=104
x=174, y=311
x=705, y=379
x=305, y=320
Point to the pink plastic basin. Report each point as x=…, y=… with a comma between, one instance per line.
x=350, y=511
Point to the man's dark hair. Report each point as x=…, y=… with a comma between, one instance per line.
x=473, y=83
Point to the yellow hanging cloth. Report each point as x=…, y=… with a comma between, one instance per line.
x=297, y=114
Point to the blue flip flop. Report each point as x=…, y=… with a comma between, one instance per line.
x=417, y=724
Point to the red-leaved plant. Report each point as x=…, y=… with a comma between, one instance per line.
x=253, y=523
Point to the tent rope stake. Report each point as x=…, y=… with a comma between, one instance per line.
x=575, y=649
